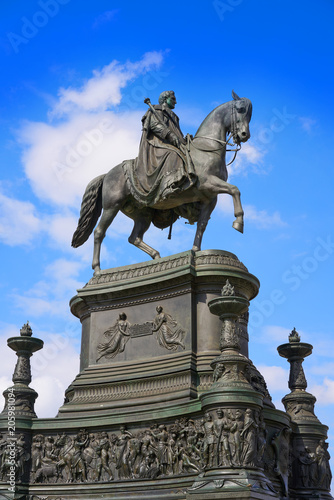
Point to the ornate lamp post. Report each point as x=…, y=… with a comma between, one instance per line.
x=25, y=396
x=311, y=476
x=230, y=365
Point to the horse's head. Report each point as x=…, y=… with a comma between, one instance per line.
x=241, y=114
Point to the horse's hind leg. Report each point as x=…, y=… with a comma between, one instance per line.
x=206, y=210
x=142, y=223
x=107, y=217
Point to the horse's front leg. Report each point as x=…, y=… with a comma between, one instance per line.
x=202, y=222
x=238, y=224
x=142, y=222
x=218, y=186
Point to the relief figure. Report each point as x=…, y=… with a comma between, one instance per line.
x=208, y=441
x=169, y=334
x=235, y=436
x=249, y=435
x=118, y=336
x=324, y=471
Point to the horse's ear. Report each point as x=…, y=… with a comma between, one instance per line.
x=235, y=96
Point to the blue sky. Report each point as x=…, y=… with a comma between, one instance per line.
x=69, y=67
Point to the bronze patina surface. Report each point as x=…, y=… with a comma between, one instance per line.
x=167, y=404
x=172, y=176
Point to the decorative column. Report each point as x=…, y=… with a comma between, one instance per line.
x=230, y=365
x=310, y=471
x=234, y=429
x=23, y=395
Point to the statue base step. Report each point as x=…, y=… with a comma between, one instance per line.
x=234, y=483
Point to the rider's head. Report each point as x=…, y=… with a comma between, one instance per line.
x=168, y=97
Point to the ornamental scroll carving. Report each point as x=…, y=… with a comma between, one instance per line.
x=171, y=263
x=22, y=372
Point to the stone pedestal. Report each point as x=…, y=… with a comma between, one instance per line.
x=136, y=359
x=167, y=404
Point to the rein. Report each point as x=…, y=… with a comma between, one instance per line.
x=224, y=143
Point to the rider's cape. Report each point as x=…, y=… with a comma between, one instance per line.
x=161, y=170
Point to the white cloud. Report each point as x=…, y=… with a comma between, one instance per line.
x=182, y=235
x=323, y=346
x=19, y=222
x=251, y=153
x=272, y=335
x=225, y=204
x=323, y=368
x=323, y=392
x=61, y=228
x=104, y=88
x=8, y=358
x=182, y=238
x=276, y=378
x=60, y=160
x=53, y=368
x=104, y=18
x=249, y=159
x=51, y=295
x=307, y=123
x=262, y=219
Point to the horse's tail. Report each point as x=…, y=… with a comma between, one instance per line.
x=91, y=208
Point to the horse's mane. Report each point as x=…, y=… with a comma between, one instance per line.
x=248, y=113
x=249, y=108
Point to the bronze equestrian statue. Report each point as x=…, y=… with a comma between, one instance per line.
x=172, y=176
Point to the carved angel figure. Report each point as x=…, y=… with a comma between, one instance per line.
x=169, y=334
x=118, y=336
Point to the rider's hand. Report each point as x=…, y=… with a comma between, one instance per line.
x=173, y=139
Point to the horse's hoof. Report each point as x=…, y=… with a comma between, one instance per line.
x=156, y=255
x=97, y=272
x=239, y=226
x=195, y=248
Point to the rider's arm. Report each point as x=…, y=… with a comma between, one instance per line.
x=162, y=131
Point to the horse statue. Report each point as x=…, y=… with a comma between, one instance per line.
x=206, y=151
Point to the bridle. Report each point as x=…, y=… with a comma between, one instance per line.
x=223, y=143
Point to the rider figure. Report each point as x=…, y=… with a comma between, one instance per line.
x=163, y=166
x=164, y=123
